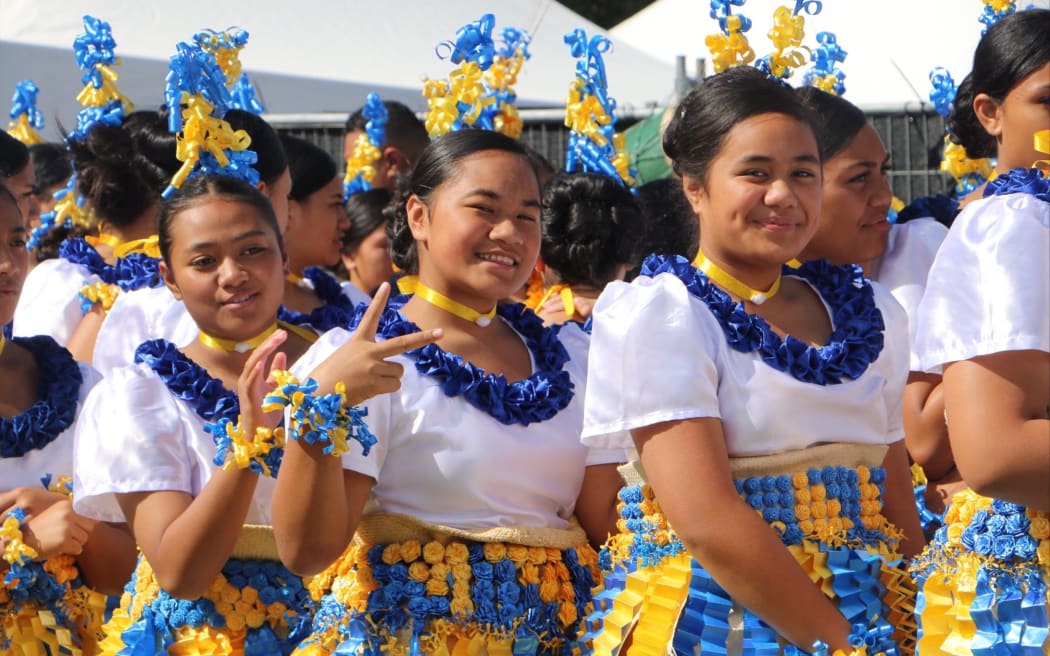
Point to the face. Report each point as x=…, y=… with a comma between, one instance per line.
x=278, y=193
x=369, y=264
x=226, y=266
x=22, y=186
x=316, y=225
x=391, y=164
x=480, y=235
x=761, y=199
x=14, y=258
x=853, y=225
x=1013, y=122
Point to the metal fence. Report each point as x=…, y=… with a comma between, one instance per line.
x=912, y=138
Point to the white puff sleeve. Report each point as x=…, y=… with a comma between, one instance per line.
x=50, y=300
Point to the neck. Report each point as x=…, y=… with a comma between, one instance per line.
x=759, y=277
x=145, y=225
x=441, y=309
x=244, y=346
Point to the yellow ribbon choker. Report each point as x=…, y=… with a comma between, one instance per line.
x=453, y=307
x=230, y=345
x=735, y=287
x=3, y=343
x=297, y=280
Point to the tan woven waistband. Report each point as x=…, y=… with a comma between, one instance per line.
x=255, y=543
x=788, y=462
x=384, y=528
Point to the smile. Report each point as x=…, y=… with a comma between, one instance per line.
x=498, y=259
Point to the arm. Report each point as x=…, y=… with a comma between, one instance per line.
x=82, y=342
x=925, y=430
x=596, y=505
x=108, y=558
x=688, y=468
x=898, y=502
x=998, y=424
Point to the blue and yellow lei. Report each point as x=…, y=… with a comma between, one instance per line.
x=59, y=387
x=855, y=343
x=131, y=272
x=1020, y=181
x=336, y=309
x=537, y=398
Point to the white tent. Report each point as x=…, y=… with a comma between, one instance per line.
x=892, y=45
x=306, y=56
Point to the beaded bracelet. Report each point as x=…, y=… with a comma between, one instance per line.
x=98, y=293
x=235, y=450
x=16, y=552
x=325, y=419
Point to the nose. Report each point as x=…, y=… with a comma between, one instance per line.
x=882, y=195
x=231, y=273
x=506, y=231
x=780, y=193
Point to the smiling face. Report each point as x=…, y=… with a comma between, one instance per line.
x=479, y=237
x=759, y=203
x=316, y=224
x=853, y=225
x=226, y=266
x=14, y=258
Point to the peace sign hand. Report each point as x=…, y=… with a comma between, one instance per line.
x=361, y=362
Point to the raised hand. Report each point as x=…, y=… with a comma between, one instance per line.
x=255, y=383
x=57, y=530
x=361, y=362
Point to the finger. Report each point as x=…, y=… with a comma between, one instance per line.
x=254, y=366
x=279, y=363
x=7, y=499
x=409, y=342
x=366, y=330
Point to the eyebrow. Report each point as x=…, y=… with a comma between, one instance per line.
x=765, y=159
x=200, y=245
x=488, y=193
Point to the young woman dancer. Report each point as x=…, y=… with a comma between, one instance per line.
x=764, y=403
x=458, y=529
x=983, y=325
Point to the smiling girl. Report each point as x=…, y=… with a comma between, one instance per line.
x=764, y=403
x=466, y=508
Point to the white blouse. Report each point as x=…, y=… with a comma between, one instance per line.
x=904, y=267
x=136, y=436
x=56, y=458
x=50, y=300
x=138, y=316
x=989, y=288
x=658, y=354
x=441, y=460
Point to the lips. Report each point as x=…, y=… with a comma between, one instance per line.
x=498, y=258
x=240, y=299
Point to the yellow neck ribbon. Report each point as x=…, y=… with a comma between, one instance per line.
x=149, y=246
x=568, y=299
x=106, y=238
x=3, y=343
x=230, y=345
x=294, y=278
x=453, y=307
x=732, y=285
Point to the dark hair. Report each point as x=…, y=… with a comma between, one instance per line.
x=670, y=224
x=196, y=190
x=838, y=122
x=113, y=177
x=704, y=118
x=438, y=162
x=52, y=165
x=544, y=169
x=1009, y=51
x=149, y=132
x=404, y=130
x=366, y=212
x=591, y=225
x=265, y=142
x=14, y=156
x=311, y=166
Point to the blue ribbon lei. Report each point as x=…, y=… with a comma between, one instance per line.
x=131, y=272
x=537, y=398
x=59, y=391
x=854, y=344
x=336, y=310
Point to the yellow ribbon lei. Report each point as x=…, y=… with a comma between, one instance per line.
x=447, y=304
x=230, y=345
x=149, y=246
x=731, y=284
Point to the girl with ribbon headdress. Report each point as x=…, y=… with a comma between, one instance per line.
x=983, y=325
x=764, y=403
x=55, y=564
x=458, y=531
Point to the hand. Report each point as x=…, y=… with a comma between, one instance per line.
x=361, y=362
x=33, y=500
x=57, y=530
x=253, y=386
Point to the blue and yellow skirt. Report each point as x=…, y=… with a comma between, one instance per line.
x=46, y=609
x=254, y=606
x=983, y=580
x=403, y=587
x=824, y=502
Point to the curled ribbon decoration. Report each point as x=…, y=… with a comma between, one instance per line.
x=731, y=48
x=786, y=34
x=811, y=7
x=824, y=74
x=226, y=48
x=101, y=99
x=1041, y=143
x=26, y=119
x=360, y=167
x=943, y=93
x=594, y=145
x=968, y=173
x=995, y=11
x=500, y=79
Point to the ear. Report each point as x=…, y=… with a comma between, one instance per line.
x=349, y=259
x=418, y=218
x=695, y=192
x=169, y=280
x=988, y=113
x=395, y=162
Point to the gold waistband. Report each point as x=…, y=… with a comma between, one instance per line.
x=385, y=528
x=255, y=542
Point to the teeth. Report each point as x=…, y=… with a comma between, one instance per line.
x=499, y=259
x=240, y=299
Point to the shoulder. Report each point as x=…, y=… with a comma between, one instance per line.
x=355, y=295
x=923, y=234
x=325, y=345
